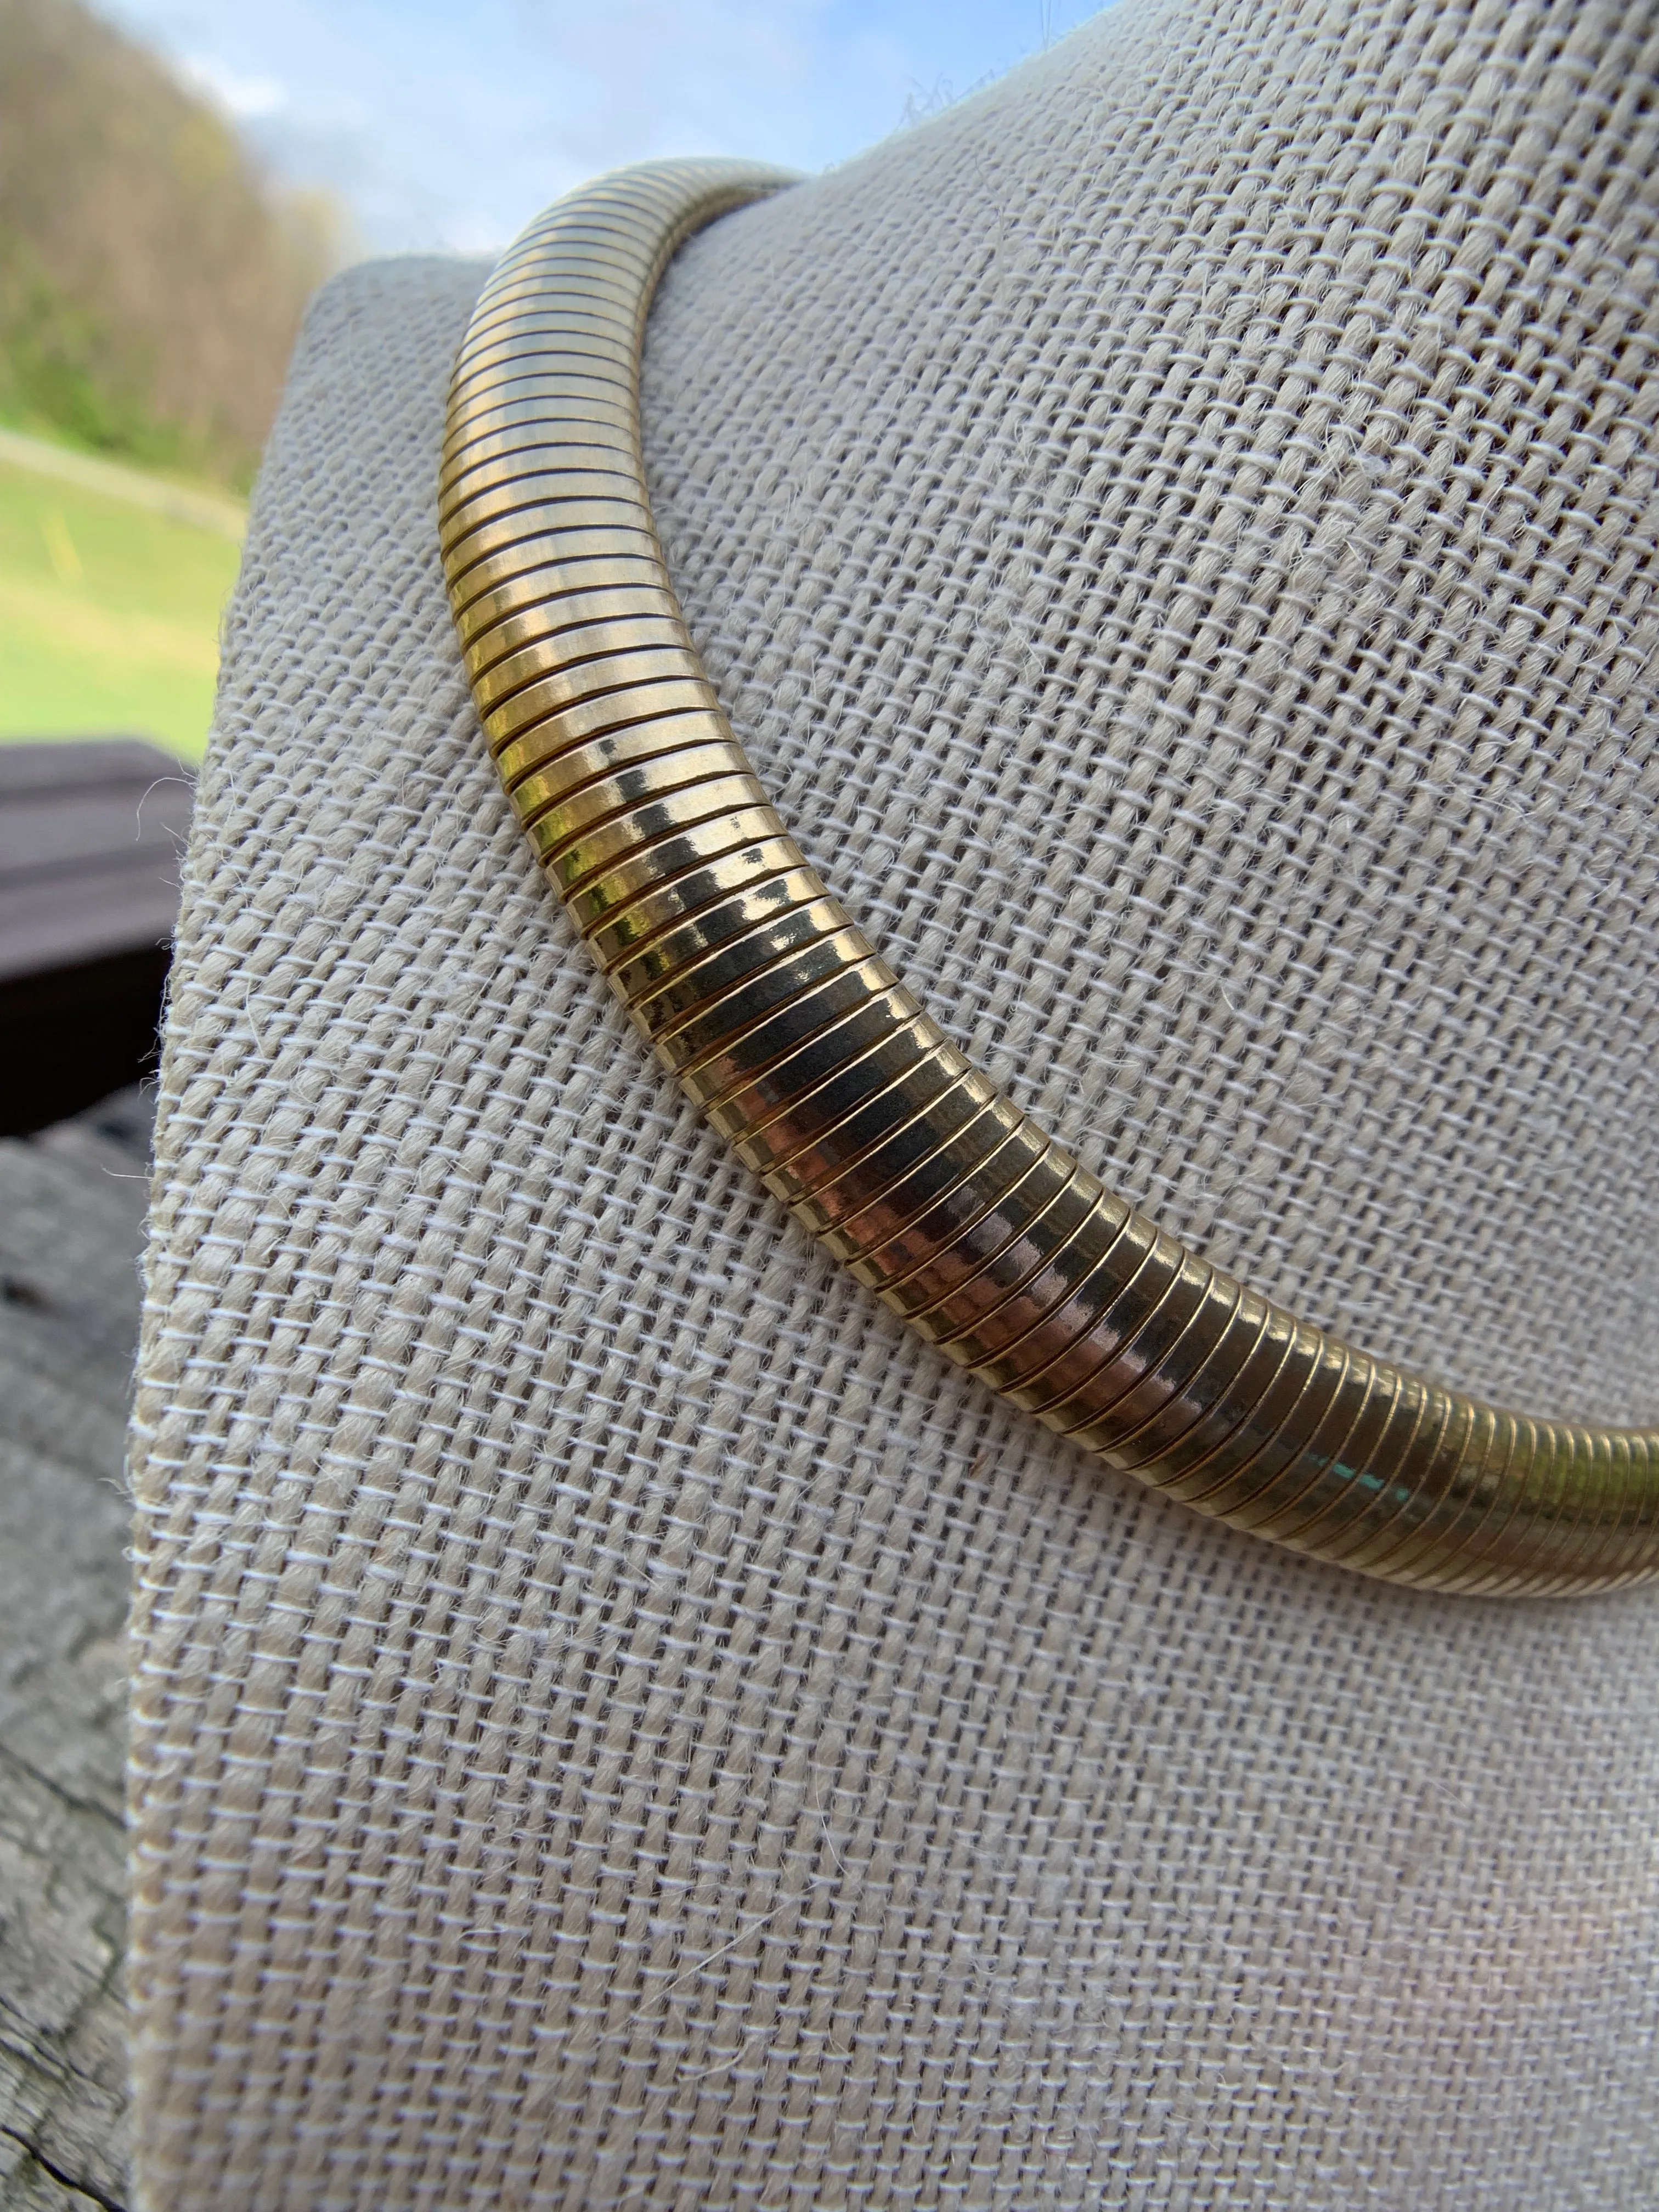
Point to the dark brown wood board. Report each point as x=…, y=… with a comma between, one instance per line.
x=92, y=833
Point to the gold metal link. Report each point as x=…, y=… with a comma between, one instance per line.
x=804, y=1050
x=567, y=351
x=627, y=552
x=543, y=619
x=545, y=584
x=549, y=401
x=600, y=641
x=547, y=448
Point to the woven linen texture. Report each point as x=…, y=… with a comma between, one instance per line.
x=618, y=1723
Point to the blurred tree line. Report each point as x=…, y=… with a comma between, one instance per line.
x=151, y=280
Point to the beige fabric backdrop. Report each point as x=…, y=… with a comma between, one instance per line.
x=619, y=1723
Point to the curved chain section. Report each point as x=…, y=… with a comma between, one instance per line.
x=799, y=1042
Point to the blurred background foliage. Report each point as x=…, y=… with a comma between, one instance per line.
x=151, y=283
x=159, y=239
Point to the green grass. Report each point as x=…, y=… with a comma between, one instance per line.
x=109, y=616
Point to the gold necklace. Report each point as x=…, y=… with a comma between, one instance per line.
x=803, y=1047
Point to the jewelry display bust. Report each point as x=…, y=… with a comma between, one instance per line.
x=619, y=1721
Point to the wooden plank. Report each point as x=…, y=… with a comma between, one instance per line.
x=71, y=1214
x=92, y=835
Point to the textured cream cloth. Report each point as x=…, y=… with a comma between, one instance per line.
x=619, y=1723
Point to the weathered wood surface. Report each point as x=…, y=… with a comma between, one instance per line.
x=90, y=835
x=91, y=830
x=71, y=1213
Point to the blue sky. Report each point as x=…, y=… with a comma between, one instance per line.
x=449, y=123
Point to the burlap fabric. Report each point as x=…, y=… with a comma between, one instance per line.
x=619, y=1723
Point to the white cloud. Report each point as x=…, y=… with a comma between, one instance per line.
x=243, y=98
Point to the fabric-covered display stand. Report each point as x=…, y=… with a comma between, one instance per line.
x=619, y=1723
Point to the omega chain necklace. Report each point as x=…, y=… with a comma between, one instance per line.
x=803, y=1047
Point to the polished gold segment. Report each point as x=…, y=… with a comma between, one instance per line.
x=804, y=1050
x=522, y=630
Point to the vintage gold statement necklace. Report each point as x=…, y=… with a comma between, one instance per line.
x=799, y=1042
